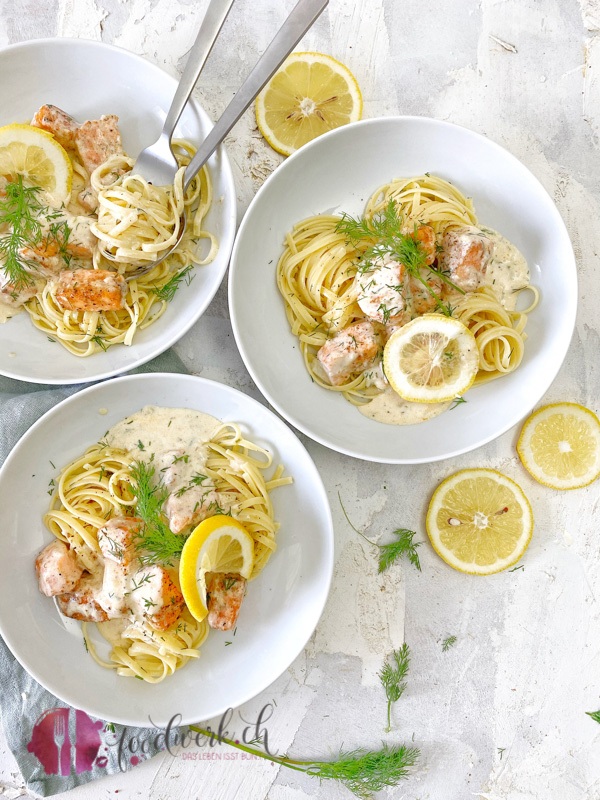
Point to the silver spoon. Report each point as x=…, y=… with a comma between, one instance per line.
x=302, y=16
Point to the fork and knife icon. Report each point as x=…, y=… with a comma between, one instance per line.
x=60, y=733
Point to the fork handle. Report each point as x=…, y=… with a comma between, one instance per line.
x=302, y=16
x=215, y=16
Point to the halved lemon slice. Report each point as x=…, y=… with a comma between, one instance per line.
x=479, y=521
x=310, y=94
x=432, y=359
x=38, y=157
x=218, y=544
x=559, y=446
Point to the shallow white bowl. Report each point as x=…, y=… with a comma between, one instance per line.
x=338, y=172
x=88, y=79
x=283, y=604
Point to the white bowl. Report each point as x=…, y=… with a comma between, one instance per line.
x=88, y=79
x=283, y=604
x=338, y=172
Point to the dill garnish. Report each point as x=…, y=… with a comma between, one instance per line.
x=362, y=772
x=382, y=234
x=391, y=552
x=392, y=676
x=167, y=292
x=447, y=643
x=155, y=541
x=18, y=212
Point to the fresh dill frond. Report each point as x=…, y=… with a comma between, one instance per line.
x=18, y=211
x=457, y=402
x=382, y=234
x=155, y=542
x=60, y=232
x=403, y=546
x=97, y=339
x=392, y=677
x=168, y=291
x=448, y=642
x=391, y=552
x=361, y=771
x=595, y=715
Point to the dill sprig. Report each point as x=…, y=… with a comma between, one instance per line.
x=391, y=552
x=361, y=771
x=595, y=715
x=392, y=676
x=18, y=211
x=448, y=642
x=155, y=541
x=167, y=292
x=383, y=235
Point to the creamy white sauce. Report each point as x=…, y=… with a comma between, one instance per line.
x=507, y=269
x=390, y=408
x=6, y=312
x=174, y=440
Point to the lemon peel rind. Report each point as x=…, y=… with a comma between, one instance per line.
x=447, y=555
x=525, y=437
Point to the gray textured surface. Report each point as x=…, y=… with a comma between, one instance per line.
x=501, y=714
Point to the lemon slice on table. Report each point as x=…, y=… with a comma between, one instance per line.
x=310, y=94
x=432, y=359
x=479, y=521
x=559, y=446
x=38, y=157
x=218, y=544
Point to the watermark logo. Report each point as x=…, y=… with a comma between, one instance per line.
x=66, y=741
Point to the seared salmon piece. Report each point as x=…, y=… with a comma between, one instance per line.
x=225, y=591
x=466, y=254
x=57, y=569
x=82, y=603
x=117, y=539
x=57, y=122
x=90, y=290
x=425, y=235
x=97, y=140
x=11, y=296
x=157, y=597
x=350, y=352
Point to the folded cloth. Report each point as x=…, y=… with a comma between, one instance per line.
x=34, y=720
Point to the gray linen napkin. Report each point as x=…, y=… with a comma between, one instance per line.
x=30, y=715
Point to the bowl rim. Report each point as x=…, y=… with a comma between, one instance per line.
x=230, y=216
x=569, y=315
x=327, y=564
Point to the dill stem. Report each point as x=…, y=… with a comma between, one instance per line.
x=283, y=760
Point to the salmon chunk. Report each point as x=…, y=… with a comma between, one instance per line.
x=380, y=290
x=425, y=235
x=97, y=140
x=465, y=255
x=90, y=290
x=14, y=297
x=350, y=352
x=57, y=569
x=57, y=122
x=225, y=591
x=82, y=603
x=117, y=539
x=158, y=599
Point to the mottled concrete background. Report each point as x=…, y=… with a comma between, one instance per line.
x=501, y=714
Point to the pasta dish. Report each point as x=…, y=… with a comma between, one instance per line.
x=69, y=255
x=158, y=529
x=418, y=253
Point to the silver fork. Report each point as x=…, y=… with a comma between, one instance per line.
x=59, y=738
x=156, y=163
x=302, y=16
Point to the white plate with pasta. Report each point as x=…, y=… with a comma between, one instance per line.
x=77, y=462
x=372, y=228
x=68, y=314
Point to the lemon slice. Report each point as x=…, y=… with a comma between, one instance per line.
x=218, y=544
x=38, y=157
x=310, y=94
x=479, y=521
x=432, y=359
x=559, y=446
